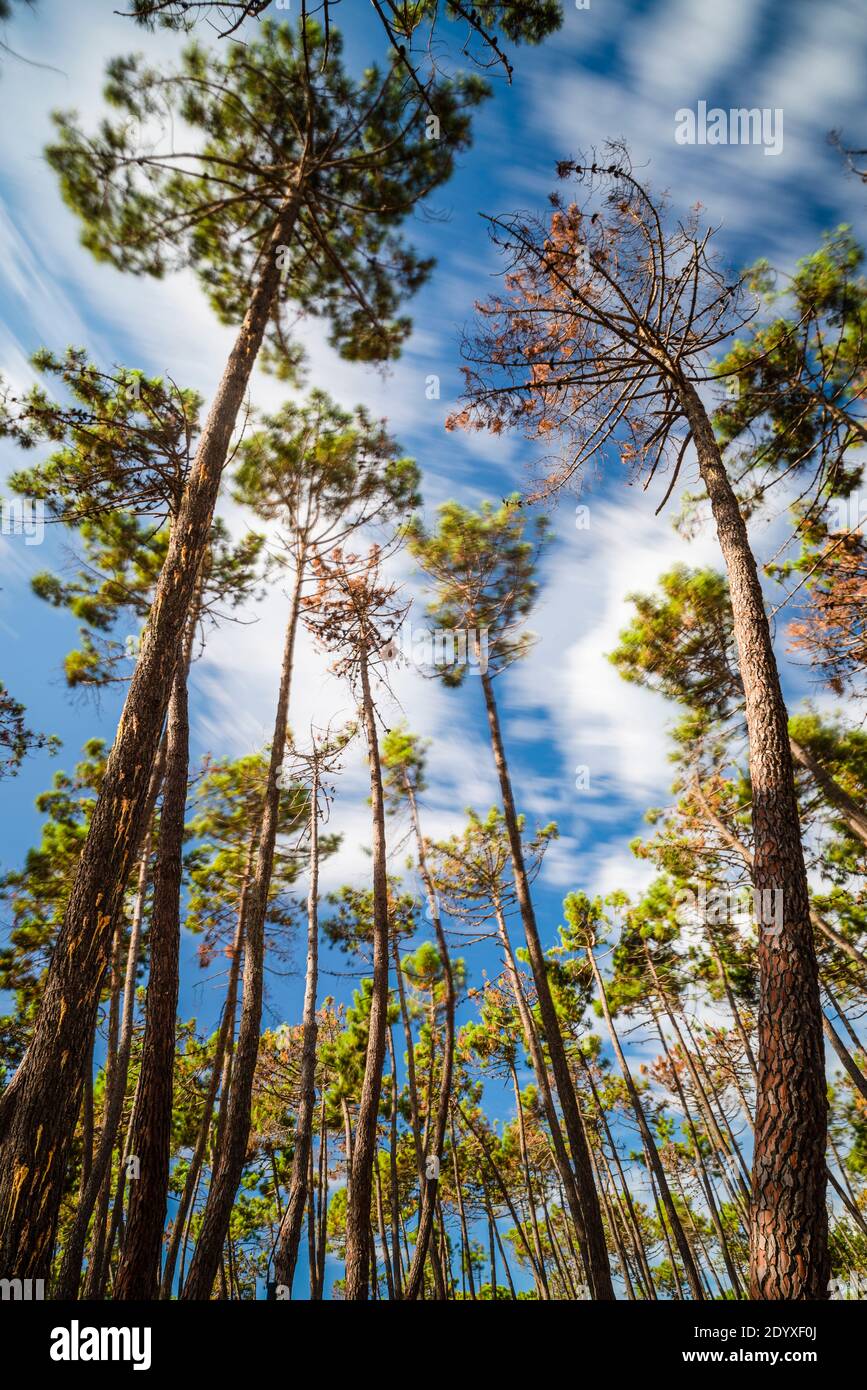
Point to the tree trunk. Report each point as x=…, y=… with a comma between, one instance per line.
x=70, y=1270
x=657, y=1170
x=698, y=1163
x=361, y=1186
x=540, y=1070
x=289, y=1235
x=857, y=1077
x=227, y=1024
x=465, y=1235
x=430, y=1185
x=544, y=1291
x=504, y=1191
x=597, y=1251
x=789, y=1219
x=852, y=815
x=38, y=1108
x=138, y=1275
x=636, y=1234
x=394, y=1183
x=233, y=1151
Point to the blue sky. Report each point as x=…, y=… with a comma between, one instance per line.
x=618, y=68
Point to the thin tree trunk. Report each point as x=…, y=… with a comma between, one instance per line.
x=289, y=1236
x=380, y=1217
x=853, y=815
x=715, y=1134
x=227, y=1024
x=360, y=1192
x=597, y=1252
x=732, y=1003
x=501, y=1184
x=858, y=1079
x=86, y=1125
x=540, y=1069
x=412, y=1085
x=544, y=1291
x=312, y=1255
x=396, y=1260
x=323, y=1202
x=699, y=1164
x=634, y=1224
x=430, y=1186
x=465, y=1235
x=232, y=1154
x=657, y=1170
x=841, y=1015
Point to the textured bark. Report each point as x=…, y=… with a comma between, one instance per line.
x=748, y=857
x=597, y=1250
x=361, y=1183
x=38, y=1109
x=138, y=1275
x=789, y=1220
x=232, y=1153
x=70, y=1270
x=300, y=1192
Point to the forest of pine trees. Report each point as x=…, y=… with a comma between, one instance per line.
x=652, y=1094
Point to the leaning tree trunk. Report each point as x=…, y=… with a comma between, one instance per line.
x=689, y=1265
x=364, y=1156
x=138, y=1275
x=789, y=1219
x=232, y=1153
x=430, y=1185
x=227, y=1026
x=540, y=1070
x=70, y=1269
x=39, y=1107
x=289, y=1235
x=597, y=1251
x=853, y=815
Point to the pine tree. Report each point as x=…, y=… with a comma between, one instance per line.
x=606, y=325
x=482, y=566
x=293, y=160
